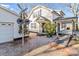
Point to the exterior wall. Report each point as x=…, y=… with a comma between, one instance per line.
x=65, y=26
x=45, y=13
x=5, y=16
x=67, y=22
x=67, y=29
x=69, y=25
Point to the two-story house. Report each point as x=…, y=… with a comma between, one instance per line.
x=38, y=16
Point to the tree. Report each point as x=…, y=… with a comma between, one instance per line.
x=75, y=10
x=50, y=28
x=23, y=17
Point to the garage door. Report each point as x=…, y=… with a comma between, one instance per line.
x=6, y=32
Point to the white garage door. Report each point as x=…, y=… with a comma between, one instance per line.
x=6, y=32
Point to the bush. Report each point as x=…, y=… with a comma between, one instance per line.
x=50, y=28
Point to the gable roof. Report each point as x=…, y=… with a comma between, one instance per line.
x=8, y=10
x=39, y=6
x=60, y=12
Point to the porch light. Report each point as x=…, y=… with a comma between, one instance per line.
x=27, y=21
x=19, y=21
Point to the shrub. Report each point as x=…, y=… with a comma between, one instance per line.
x=50, y=28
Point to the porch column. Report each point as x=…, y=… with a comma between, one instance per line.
x=40, y=29
x=57, y=29
x=73, y=26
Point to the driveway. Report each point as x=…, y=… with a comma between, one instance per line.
x=15, y=48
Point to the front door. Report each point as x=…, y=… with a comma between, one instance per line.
x=58, y=27
x=43, y=30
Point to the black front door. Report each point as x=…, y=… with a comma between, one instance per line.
x=58, y=27
x=43, y=27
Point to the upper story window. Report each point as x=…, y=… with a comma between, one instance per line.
x=35, y=15
x=33, y=25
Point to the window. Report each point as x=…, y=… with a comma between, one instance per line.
x=9, y=24
x=33, y=25
x=63, y=25
x=3, y=24
x=35, y=15
x=68, y=28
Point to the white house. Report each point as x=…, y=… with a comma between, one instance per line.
x=8, y=25
x=39, y=14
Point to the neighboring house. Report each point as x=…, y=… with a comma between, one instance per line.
x=66, y=25
x=8, y=25
x=38, y=16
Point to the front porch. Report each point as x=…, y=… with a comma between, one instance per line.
x=41, y=21
x=66, y=25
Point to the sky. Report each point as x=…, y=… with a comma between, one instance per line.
x=53, y=6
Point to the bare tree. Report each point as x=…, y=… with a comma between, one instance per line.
x=23, y=17
x=74, y=7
